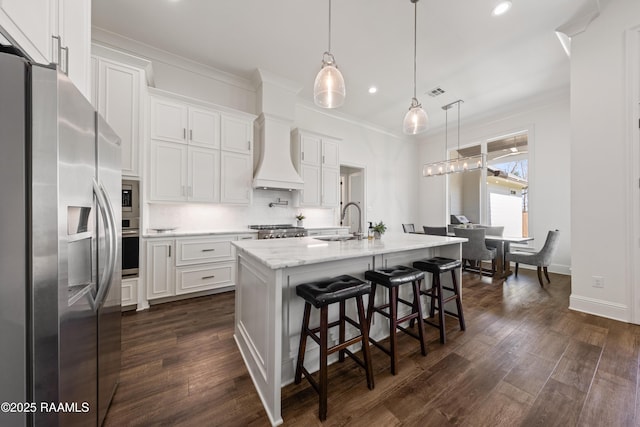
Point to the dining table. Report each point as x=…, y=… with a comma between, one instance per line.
x=503, y=268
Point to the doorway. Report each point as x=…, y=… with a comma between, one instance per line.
x=352, y=189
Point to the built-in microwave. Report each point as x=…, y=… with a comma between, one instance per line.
x=130, y=228
x=130, y=199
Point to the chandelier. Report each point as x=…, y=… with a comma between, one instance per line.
x=459, y=164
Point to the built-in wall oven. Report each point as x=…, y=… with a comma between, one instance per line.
x=130, y=228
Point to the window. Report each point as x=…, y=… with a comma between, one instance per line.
x=498, y=196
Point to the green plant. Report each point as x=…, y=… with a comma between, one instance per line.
x=300, y=217
x=380, y=227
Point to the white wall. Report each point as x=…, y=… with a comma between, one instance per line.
x=600, y=173
x=547, y=121
x=392, y=169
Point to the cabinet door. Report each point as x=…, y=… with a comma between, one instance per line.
x=168, y=120
x=204, y=175
x=160, y=269
x=237, y=173
x=168, y=171
x=237, y=134
x=119, y=104
x=310, y=195
x=330, y=150
x=129, y=292
x=204, y=128
x=74, y=28
x=330, y=187
x=310, y=147
x=31, y=24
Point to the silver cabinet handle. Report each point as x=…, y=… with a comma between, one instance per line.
x=208, y=250
x=249, y=145
x=208, y=277
x=65, y=68
x=191, y=134
x=169, y=251
x=190, y=189
x=323, y=159
x=303, y=155
x=56, y=47
x=184, y=133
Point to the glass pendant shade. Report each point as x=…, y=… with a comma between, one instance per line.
x=416, y=119
x=329, y=90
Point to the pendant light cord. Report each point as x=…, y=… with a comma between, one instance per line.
x=329, y=26
x=415, y=43
x=458, y=153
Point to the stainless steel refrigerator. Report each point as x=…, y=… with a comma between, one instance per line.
x=60, y=259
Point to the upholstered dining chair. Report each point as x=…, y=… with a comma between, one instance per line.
x=476, y=249
x=408, y=228
x=492, y=230
x=541, y=259
x=435, y=231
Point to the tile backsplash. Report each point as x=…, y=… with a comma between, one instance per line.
x=193, y=217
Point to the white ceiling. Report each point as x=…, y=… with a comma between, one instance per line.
x=489, y=62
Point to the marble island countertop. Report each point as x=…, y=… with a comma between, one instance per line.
x=292, y=252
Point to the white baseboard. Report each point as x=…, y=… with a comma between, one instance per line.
x=599, y=308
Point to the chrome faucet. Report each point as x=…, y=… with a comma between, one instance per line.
x=344, y=212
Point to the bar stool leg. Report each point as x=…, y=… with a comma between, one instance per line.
x=366, y=351
x=303, y=342
x=342, y=330
x=416, y=298
x=438, y=288
x=434, y=295
x=393, y=324
x=370, y=305
x=458, y=300
x=324, y=327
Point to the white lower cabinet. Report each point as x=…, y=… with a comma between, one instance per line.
x=202, y=277
x=160, y=269
x=199, y=263
x=130, y=292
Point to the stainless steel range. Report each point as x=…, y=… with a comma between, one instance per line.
x=279, y=231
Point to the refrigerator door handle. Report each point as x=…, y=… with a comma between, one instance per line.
x=107, y=273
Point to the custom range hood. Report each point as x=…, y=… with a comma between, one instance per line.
x=273, y=168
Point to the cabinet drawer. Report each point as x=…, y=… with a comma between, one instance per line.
x=197, y=251
x=129, y=292
x=203, y=277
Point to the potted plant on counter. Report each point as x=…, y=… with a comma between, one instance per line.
x=300, y=217
x=379, y=229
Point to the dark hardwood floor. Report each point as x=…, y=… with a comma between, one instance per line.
x=525, y=359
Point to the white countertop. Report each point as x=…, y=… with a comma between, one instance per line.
x=191, y=233
x=292, y=252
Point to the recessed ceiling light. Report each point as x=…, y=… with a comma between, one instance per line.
x=373, y=89
x=501, y=8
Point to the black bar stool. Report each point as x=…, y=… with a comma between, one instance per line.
x=392, y=278
x=437, y=266
x=321, y=294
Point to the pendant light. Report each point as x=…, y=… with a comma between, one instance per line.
x=415, y=121
x=459, y=164
x=328, y=89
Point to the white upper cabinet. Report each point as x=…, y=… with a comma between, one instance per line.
x=31, y=23
x=237, y=173
x=169, y=120
x=317, y=159
x=57, y=31
x=204, y=127
x=174, y=121
x=118, y=92
x=204, y=175
x=217, y=144
x=237, y=134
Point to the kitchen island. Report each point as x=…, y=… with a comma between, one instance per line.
x=268, y=313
